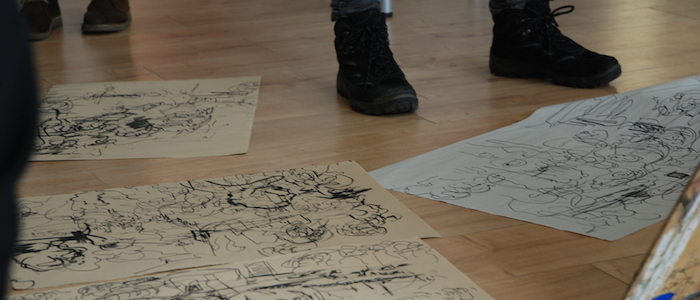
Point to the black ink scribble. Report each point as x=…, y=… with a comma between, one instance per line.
x=61, y=131
x=168, y=224
x=615, y=165
x=383, y=270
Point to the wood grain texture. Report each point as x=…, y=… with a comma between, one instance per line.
x=442, y=46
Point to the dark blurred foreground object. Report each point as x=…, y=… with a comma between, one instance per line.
x=18, y=105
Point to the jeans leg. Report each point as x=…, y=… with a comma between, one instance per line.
x=497, y=6
x=342, y=8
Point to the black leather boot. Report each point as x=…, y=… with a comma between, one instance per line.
x=41, y=17
x=527, y=43
x=369, y=77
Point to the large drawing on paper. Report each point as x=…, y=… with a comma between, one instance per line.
x=404, y=269
x=123, y=232
x=147, y=119
x=603, y=167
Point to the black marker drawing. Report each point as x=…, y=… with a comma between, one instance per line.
x=603, y=167
x=145, y=119
x=141, y=230
x=407, y=269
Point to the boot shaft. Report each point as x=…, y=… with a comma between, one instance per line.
x=362, y=47
x=369, y=22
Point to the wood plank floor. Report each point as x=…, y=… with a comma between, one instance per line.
x=442, y=46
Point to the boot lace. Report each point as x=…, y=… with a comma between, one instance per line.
x=550, y=37
x=371, y=45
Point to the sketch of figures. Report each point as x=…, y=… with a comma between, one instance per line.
x=147, y=119
x=603, y=167
x=403, y=269
x=124, y=232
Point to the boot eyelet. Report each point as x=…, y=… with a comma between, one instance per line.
x=526, y=32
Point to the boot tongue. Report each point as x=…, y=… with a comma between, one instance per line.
x=365, y=18
x=538, y=7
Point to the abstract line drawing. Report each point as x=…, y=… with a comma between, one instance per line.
x=603, y=167
x=147, y=119
x=401, y=269
x=117, y=233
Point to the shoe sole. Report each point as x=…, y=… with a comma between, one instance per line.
x=102, y=28
x=402, y=103
x=56, y=23
x=517, y=69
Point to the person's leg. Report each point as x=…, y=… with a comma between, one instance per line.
x=107, y=16
x=18, y=101
x=496, y=6
x=341, y=8
x=368, y=75
x=527, y=43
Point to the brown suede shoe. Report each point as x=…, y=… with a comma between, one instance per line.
x=107, y=16
x=41, y=17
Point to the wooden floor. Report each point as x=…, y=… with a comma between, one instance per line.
x=442, y=46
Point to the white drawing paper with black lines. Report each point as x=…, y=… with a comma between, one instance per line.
x=145, y=119
x=116, y=233
x=391, y=270
x=603, y=167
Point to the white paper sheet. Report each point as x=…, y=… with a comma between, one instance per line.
x=603, y=167
x=146, y=119
x=117, y=233
x=406, y=269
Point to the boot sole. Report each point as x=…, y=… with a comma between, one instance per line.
x=56, y=23
x=518, y=69
x=402, y=103
x=100, y=28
